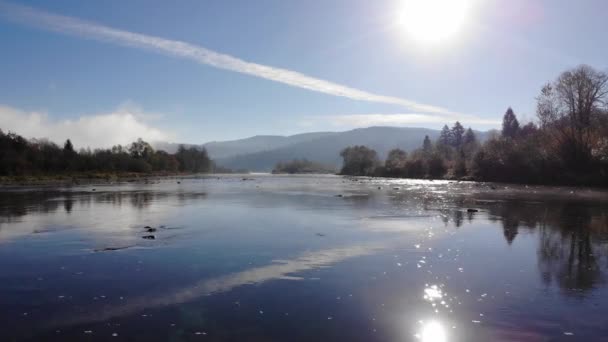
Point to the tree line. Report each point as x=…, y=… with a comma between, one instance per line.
x=298, y=166
x=20, y=156
x=566, y=144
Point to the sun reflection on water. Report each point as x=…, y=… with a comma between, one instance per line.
x=432, y=331
x=433, y=293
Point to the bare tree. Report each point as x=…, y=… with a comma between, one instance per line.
x=569, y=107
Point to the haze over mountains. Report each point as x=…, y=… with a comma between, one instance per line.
x=261, y=153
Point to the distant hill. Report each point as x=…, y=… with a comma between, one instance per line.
x=326, y=149
x=258, y=143
x=262, y=153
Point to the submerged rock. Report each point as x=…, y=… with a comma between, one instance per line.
x=108, y=249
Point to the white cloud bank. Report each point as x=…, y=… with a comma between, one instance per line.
x=121, y=126
x=76, y=27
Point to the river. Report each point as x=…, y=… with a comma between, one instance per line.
x=303, y=258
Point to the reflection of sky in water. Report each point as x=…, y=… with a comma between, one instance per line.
x=284, y=258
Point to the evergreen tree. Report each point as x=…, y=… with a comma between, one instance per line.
x=445, y=136
x=469, y=137
x=68, y=155
x=427, y=146
x=68, y=148
x=510, y=125
x=457, y=135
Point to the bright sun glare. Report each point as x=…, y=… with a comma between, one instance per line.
x=432, y=332
x=433, y=20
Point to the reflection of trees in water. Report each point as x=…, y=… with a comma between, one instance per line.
x=456, y=215
x=510, y=226
x=426, y=204
x=572, y=236
x=68, y=203
x=573, y=248
x=136, y=199
x=453, y=215
x=511, y=216
x=17, y=204
x=514, y=215
x=573, y=239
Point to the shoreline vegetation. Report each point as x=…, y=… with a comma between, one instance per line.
x=302, y=166
x=39, y=161
x=567, y=145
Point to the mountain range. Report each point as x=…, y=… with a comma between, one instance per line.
x=261, y=153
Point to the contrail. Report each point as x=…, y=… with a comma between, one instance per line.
x=77, y=27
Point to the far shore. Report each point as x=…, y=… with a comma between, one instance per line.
x=93, y=178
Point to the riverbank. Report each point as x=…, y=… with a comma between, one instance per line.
x=84, y=178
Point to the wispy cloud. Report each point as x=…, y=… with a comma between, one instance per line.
x=121, y=126
x=397, y=119
x=73, y=26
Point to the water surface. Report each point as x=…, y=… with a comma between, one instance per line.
x=301, y=258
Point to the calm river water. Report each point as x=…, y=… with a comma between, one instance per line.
x=303, y=258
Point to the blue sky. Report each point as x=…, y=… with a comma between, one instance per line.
x=57, y=82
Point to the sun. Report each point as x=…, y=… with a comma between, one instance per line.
x=433, y=20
